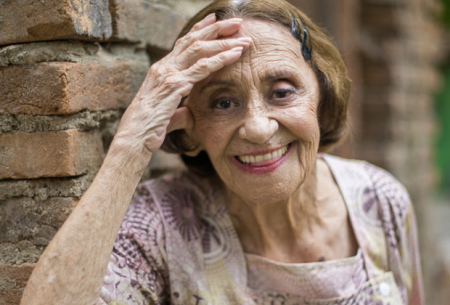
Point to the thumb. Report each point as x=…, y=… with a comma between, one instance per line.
x=181, y=119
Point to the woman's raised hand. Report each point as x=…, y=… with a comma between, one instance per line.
x=72, y=268
x=153, y=112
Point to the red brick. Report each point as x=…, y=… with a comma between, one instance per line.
x=32, y=219
x=49, y=154
x=147, y=23
x=65, y=88
x=13, y=280
x=28, y=21
x=381, y=17
x=376, y=73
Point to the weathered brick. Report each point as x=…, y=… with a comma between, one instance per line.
x=16, y=254
x=46, y=187
x=26, y=20
x=49, y=154
x=30, y=53
x=13, y=280
x=376, y=73
x=162, y=163
x=65, y=88
x=381, y=18
x=32, y=219
x=190, y=7
x=420, y=78
x=150, y=24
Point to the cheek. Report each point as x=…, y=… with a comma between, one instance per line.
x=213, y=135
x=302, y=121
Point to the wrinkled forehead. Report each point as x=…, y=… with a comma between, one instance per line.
x=274, y=51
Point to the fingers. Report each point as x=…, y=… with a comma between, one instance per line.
x=210, y=19
x=205, y=66
x=181, y=119
x=201, y=49
x=213, y=31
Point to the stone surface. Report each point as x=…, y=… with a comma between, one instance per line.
x=49, y=154
x=12, y=282
x=19, y=253
x=32, y=219
x=27, y=20
x=162, y=163
x=190, y=7
x=108, y=82
x=46, y=187
x=29, y=53
x=83, y=121
x=151, y=24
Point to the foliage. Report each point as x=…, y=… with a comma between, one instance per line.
x=442, y=105
x=446, y=12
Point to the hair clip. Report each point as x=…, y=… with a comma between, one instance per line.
x=306, y=51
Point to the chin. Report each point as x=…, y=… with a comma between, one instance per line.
x=267, y=190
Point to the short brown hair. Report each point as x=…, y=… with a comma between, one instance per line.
x=326, y=62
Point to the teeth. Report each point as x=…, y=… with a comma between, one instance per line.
x=261, y=158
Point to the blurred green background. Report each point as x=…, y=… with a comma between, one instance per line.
x=442, y=106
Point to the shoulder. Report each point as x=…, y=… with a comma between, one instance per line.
x=382, y=181
x=390, y=192
x=377, y=183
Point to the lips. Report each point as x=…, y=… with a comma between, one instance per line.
x=263, y=159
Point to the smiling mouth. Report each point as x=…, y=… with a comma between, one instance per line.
x=262, y=160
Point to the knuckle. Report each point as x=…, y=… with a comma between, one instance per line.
x=183, y=40
x=196, y=27
x=170, y=82
x=191, y=36
x=221, y=57
x=203, y=63
x=196, y=47
x=179, y=41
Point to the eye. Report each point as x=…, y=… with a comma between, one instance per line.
x=281, y=93
x=223, y=103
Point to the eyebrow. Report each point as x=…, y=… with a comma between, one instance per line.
x=216, y=83
x=270, y=77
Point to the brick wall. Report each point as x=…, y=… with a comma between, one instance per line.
x=68, y=69
x=392, y=49
x=400, y=44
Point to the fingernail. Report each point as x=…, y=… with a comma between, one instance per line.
x=237, y=49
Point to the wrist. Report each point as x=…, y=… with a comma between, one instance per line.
x=123, y=154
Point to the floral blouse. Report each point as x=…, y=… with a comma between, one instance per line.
x=177, y=245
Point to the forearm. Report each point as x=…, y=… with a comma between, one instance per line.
x=72, y=268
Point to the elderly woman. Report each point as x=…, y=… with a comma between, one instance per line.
x=252, y=94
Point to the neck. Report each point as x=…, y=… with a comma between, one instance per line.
x=290, y=230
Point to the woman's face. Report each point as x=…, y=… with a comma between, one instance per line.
x=257, y=118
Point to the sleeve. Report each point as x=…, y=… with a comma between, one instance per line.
x=397, y=213
x=410, y=253
x=137, y=272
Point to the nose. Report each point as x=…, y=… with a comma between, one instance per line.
x=258, y=129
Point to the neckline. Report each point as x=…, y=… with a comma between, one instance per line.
x=331, y=162
x=341, y=261
x=241, y=262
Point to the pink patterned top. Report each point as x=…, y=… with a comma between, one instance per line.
x=177, y=245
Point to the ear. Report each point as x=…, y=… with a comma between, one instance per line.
x=183, y=119
x=194, y=152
